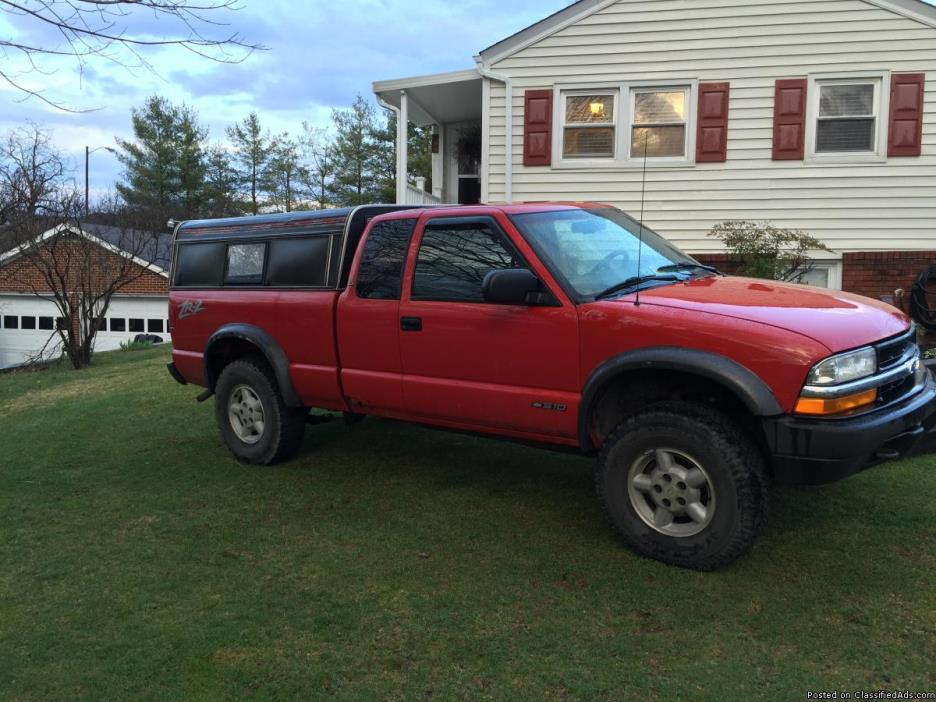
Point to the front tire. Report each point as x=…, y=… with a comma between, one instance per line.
x=254, y=421
x=681, y=483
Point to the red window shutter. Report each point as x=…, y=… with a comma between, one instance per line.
x=789, y=136
x=712, y=134
x=537, y=127
x=905, y=129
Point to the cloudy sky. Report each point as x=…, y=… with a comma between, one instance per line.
x=321, y=54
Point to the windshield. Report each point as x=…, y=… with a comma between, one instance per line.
x=595, y=250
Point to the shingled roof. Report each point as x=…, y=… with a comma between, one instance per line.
x=155, y=253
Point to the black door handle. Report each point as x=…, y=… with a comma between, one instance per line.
x=411, y=324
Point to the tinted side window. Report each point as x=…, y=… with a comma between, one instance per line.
x=200, y=265
x=381, y=272
x=453, y=261
x=298, y=262
x=245, y=264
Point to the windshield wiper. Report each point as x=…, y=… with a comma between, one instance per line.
x=683, y=266
x=634, y=282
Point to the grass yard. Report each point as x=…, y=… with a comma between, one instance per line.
x=138, y=560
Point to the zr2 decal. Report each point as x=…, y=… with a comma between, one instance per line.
x=190, y=307
x=553, y=406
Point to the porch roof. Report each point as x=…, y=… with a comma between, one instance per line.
x=438, y=98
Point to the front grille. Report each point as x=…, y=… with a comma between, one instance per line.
x=893, y=353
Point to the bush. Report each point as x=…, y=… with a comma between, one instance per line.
x=761, y=250
x=135, y=345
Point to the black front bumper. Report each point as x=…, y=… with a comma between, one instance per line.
x=816, y=451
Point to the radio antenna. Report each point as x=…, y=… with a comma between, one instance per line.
x=643, y=194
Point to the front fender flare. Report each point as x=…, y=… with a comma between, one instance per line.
x=750, y=389
x=267, y=345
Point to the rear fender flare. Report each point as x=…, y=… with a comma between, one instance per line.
x=266, y=345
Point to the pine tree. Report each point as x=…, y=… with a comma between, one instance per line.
x=357, y=155
x=164, y=169
x=191, y=162
x=221, y=183
x=252, y=149
x=284, y=175
x=150, y=161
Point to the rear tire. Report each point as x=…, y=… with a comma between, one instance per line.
x=254, y=422
x=683, y=484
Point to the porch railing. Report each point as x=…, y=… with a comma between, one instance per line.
x=415, y=196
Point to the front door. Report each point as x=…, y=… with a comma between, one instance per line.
x=477, y=365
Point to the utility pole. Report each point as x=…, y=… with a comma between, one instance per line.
x=87, y=154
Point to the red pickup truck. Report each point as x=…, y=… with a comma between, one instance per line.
x=551, y=324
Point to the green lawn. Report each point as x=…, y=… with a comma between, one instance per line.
x=138, y=560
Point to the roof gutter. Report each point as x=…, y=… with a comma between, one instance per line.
x=508, y=117
x=399, y=152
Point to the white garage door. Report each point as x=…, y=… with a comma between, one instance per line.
x=27, y=324
x=129, y=316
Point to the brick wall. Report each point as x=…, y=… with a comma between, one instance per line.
x=20, y=274
x=873, y=274
x=880, y=273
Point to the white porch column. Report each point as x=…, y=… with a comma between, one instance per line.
x=438, y=161
x=402, y=147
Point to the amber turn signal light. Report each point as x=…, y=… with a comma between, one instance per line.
x=821, y=406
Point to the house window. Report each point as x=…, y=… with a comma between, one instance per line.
x=28, y=322
x=154, y=326
x=118, y=324
x=46, y=323
x=589, y=125
x=11, y=322
x=659, y=126
x=847, y=119
x=136, y=325
x=823, y=274
x=617, y=124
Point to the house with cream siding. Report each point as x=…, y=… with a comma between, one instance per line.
x=818, y=115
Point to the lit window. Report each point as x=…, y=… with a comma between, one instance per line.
x=589, y=125
x=659, y=127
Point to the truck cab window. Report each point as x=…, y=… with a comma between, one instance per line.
x=381, y=272
x=453, y=261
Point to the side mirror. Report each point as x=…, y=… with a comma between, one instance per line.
x=509, y=286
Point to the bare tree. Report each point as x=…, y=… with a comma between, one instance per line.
x=319, y=152
x=54, y=257
x=106, y=29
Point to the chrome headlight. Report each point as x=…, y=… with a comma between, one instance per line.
x=844, y=368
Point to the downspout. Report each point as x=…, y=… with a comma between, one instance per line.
x=508, y=118
x=395, y=110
